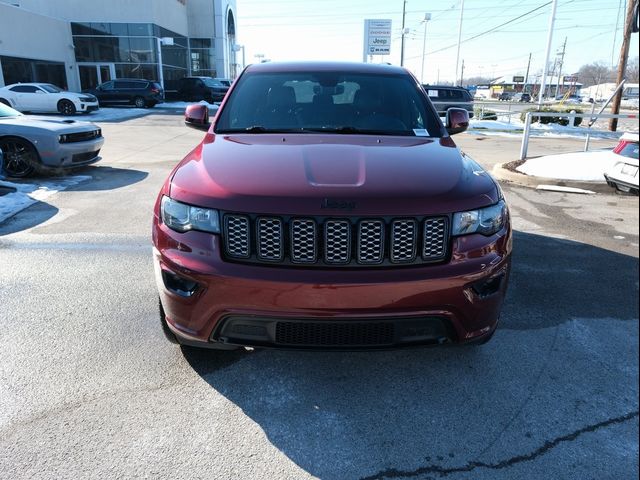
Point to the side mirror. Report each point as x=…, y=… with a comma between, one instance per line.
x=197, y=116
x=457, y=120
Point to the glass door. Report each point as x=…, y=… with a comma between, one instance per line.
x=92, y=75
x=88, y=77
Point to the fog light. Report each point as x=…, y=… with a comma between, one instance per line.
x=179, y=285
x=487, y=287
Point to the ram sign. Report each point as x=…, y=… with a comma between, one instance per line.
x=377, y=38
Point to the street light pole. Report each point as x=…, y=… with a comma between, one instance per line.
x=404, y=11
x=543, y=84
x=427, y=17
x=459, y=39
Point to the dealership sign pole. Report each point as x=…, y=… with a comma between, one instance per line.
x=377, y=38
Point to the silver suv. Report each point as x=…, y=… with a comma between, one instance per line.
x=445, y=97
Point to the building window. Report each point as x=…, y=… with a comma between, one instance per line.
x=21, y=70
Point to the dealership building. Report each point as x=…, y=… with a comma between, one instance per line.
x=78, y=44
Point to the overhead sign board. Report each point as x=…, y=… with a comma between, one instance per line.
x=377, y=37
x=518, y=79
x=569, y=79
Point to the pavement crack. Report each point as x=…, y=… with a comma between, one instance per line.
x=548, y=445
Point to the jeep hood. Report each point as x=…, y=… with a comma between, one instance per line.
x=307, y=174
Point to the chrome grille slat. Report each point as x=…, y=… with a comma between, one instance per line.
x=237, y=234
x=435, y=238
x=303, y=240
x=337, y=241
x=269, y=239
x=403, y=240
x=370, y=241
x=322, y=241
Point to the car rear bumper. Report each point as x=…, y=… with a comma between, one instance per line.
x=210, y=302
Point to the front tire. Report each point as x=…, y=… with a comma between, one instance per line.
x=66, y=107
x=20, y=157
x=139, y=102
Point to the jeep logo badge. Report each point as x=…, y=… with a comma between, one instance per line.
x=335, y=204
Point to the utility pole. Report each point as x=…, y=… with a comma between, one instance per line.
x=564, y=46
x=622, y=64
x=459, y=39
x=526, y=77
x=543, y=84
x=462, y=73
x=404, y=11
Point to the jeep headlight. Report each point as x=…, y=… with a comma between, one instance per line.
x=181, y=217
x=485, y=221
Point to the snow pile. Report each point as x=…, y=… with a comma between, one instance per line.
x=631, y=103
x=103, y=115
x=495, y=125
x=27, y=194
x=585, y=166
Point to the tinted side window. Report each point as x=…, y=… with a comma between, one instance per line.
x=24, y=89
x=119, y=85
x=107, y=86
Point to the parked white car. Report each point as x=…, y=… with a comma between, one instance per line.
x=623, y=175
x=45, y=97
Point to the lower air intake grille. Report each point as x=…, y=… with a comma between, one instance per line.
x=343, y=334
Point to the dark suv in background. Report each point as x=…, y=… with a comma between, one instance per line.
x=445, y=97
x=194, y=89
x=129, y=91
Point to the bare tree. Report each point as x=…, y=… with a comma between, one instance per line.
x=595, y=73
x=478, y=80
x=632, y=71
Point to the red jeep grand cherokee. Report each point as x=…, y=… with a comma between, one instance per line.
x=328, y=208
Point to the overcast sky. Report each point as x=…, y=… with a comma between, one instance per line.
x=333, y=30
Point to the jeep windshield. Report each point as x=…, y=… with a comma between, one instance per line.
x=328, y=102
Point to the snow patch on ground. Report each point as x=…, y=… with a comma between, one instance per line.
x=27, y=194
x=496, y=127
x=584, y=166
x=118, y=114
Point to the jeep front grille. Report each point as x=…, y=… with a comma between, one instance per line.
x=334, y=242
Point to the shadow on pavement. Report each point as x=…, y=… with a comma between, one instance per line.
x=108, y=178
x=38, y=213
x=433, y=412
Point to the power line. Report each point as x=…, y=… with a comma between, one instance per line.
x=486, y=32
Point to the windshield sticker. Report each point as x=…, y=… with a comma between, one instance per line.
x=432, y=93
x=420, y=132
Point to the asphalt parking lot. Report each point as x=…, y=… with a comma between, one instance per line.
x=89, y=387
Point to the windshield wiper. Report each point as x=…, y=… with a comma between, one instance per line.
x=255, y=129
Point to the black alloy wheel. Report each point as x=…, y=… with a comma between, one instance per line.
x=139, y=102
x=66, y=107
x=20, y=157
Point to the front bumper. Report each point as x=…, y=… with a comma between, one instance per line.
x=210, y=302
x=68, y=155
x=87, y=106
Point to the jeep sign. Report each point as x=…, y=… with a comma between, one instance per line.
x=377, y=38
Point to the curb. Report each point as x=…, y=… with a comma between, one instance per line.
x=531, y=181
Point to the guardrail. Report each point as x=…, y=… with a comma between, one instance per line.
x=572, y=118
